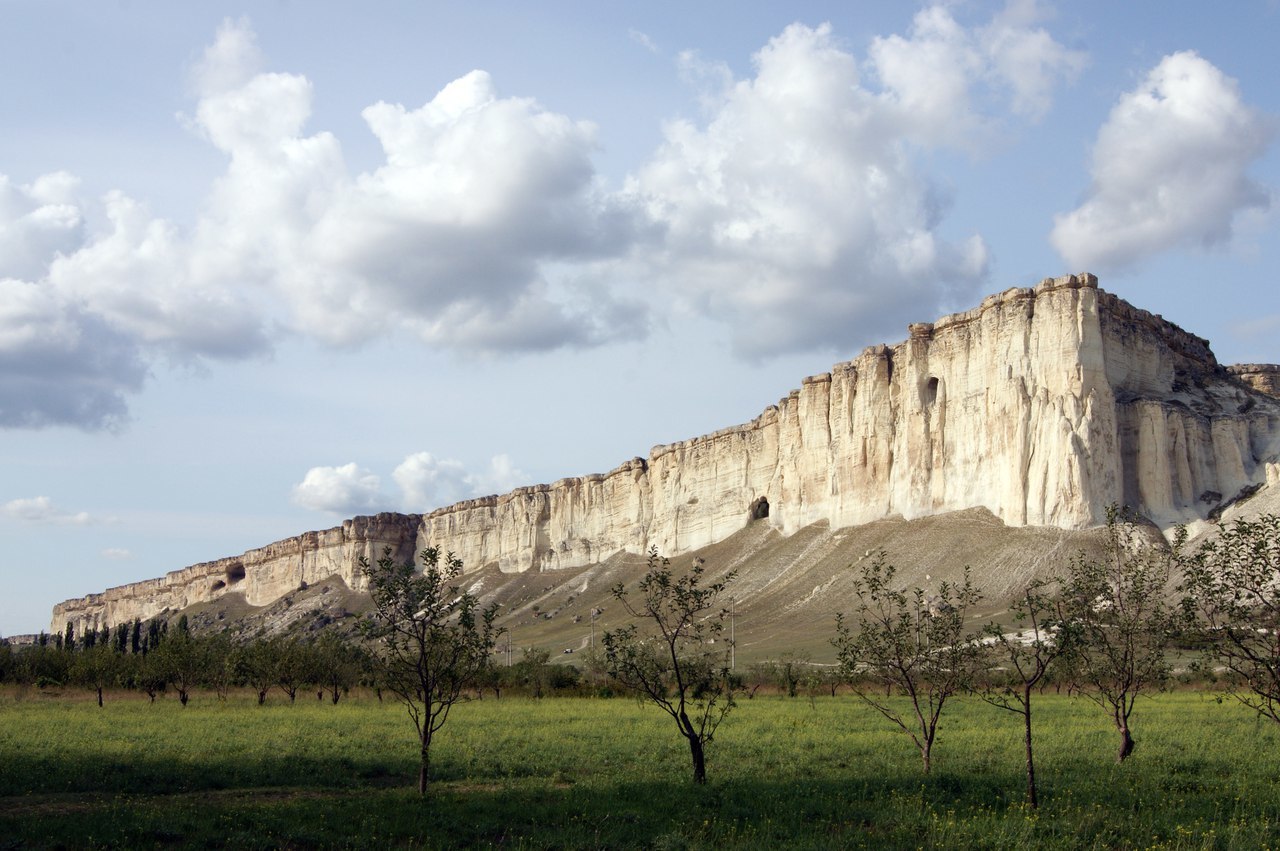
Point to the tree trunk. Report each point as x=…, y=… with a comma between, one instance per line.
x=262, y=696
x=699, y=759
x=183, y=696
x=99, y=697
x=424, y=766
x=1126, y=742
x=1032, y=797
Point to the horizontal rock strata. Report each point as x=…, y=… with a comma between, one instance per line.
x=1042, y=405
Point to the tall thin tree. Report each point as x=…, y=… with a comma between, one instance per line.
x=682, y=665
x=432, y=639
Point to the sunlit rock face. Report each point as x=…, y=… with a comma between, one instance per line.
x=1263, y=377
x=262, y=575
x=1043, y=405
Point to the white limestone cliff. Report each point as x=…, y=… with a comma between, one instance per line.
x=1041, y=405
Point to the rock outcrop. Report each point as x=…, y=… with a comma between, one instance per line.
x=1043, y=405
x=1263, y=377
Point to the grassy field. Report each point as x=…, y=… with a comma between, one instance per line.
x=577, y=773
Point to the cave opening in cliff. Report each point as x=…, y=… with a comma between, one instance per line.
x=929, y=392
x=759, y=509
x=218, y=586
x=235, y=573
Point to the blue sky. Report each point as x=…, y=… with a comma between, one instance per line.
x=264, y=268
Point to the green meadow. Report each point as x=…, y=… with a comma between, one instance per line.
x=612, y=773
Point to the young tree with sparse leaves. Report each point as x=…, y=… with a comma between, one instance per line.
x=1021, y=658
x=292, y=664
x=255, y=664
x=533, y=671
x=182, y=660
x=220, y=668
x=337, y=664
x=150, y=675
x=1122, y=618
x=908, y=641
x=682, y=667
x=1232, y=588
x=96, y=668
x=431, y=638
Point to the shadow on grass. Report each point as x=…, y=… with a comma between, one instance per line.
x=317, y=803
x=531, y=812
x=1181, y=799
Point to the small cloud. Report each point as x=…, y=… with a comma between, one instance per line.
x=347, y=490
x=427, y=482
x=643, y=40
x=41, y=510
x=116, y=554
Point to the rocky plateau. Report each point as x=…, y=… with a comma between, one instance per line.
x=995, y=437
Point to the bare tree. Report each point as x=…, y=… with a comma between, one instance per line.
x=1120, y=612
x=1022, y=658
x=1232, y=588
x=909, y=641
x=682, y=667
x=432, y=638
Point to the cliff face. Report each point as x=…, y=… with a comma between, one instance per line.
x=262, y=575
x=1041, y=405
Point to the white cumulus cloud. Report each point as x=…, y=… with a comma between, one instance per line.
x=1169, y=168
x=941, y=72
x=797, y=213
x=424, y=481
x=344, y=490
x=427, y=482
x=37, y=222
x=40, y=509
x=452, y=239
